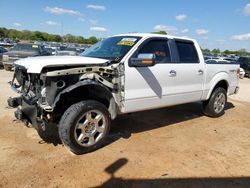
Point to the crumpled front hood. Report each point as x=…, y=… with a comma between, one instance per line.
x=36, y=64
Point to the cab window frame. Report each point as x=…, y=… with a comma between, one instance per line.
x=178, y=53
x=135, y=54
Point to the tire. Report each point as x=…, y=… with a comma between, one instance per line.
x=215, y=106
x=50, y=134
x=84, y=126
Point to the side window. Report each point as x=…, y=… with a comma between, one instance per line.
x=187, y=52
x=159, y=48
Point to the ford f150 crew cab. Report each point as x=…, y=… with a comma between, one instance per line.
x=121, y=74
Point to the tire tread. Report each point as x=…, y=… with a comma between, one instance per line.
x=67, y=120
x=208, y=105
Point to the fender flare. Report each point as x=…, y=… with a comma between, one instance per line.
x=221, y=76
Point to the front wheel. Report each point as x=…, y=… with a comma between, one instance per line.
x=84, y=126
x=215, y=106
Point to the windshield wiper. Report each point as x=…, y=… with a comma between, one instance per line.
x=115, y=60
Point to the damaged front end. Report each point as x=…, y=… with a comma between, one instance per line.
x=28, y=86
x=44, y=97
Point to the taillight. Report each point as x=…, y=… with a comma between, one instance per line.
x=238, y=72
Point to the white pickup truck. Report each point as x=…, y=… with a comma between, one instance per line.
x=121, y=74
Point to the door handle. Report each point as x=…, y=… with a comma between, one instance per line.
x=172, y=73
x=200, y=72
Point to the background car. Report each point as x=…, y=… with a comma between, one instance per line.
x=71, y=51
x=245, y=64
x=232, y=60
x=215, y=61
x=2, y=51
x=242, y=73
x=22, y=50
x=50, y=50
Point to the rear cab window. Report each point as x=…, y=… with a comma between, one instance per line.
x=187, y=52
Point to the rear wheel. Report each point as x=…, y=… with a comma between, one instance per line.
x=215, y=106
x=84, y=126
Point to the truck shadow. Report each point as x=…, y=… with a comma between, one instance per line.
x=126, y=125
x=171, y=182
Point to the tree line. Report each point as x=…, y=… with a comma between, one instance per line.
x=43, y=36
x=217, y=51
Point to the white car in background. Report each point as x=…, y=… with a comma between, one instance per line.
x=242, y=73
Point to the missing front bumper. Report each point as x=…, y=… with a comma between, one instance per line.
x=28, y=113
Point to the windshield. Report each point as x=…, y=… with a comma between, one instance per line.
x=26, y=47
x=111, y=48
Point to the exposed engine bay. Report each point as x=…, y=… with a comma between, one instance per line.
x=43, y=92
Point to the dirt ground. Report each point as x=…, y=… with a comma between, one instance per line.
x=169, y=147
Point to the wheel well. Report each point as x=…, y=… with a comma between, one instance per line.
x=223, y=84
x=86, y=92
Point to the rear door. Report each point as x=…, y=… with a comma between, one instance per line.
x=190, y=71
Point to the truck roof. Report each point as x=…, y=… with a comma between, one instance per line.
x=155, y=35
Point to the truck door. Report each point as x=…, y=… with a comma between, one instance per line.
x=190, y=71
x=170, y=81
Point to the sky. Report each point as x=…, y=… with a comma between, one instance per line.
x=223, y=24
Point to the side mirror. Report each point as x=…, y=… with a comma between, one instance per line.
x=143, y=60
